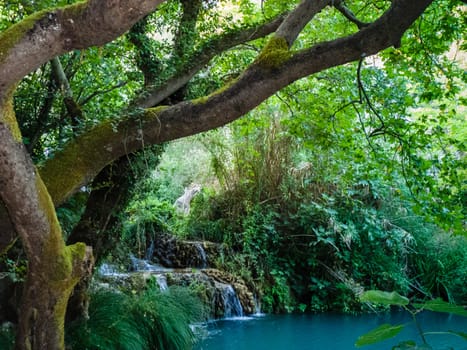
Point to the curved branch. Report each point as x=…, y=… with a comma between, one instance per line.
x=339, y=5
x=298, y=18
x=81, y=160
x=84, y=24
x=199, y=59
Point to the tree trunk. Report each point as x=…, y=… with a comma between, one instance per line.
x=100, y=223
x=53, y=268
x=97, y=225
x=44, y=301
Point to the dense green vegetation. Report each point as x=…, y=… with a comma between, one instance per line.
x=303, y=234
x=147, y=320
x=351, y=178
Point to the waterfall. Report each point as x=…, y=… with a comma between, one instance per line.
x=162, y=282
x=107, y=270
x=232, y=306
x=202, y=255
x=143, y=265
x=150, y=252
x=258, y=312
x=138, y=265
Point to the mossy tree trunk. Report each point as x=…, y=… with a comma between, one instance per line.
x=45, y=296
x=53, y=267
x=99, y=225
x=27, y=210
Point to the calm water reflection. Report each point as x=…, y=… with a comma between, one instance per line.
x=326, y=331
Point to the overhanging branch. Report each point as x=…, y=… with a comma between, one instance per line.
x=32, y=42
x=298, y=18
x=101, y=145
x=201, y=57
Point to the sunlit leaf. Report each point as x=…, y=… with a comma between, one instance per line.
x=384, y=298
x=376, y=335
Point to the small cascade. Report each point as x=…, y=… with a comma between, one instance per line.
x=107, y=270
x=144, y=265
x=258, y=312
x=162, y=282
x=202, y=255
x=150, y=251
x=232, y=306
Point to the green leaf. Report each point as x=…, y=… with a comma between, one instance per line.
x=385, y=298
x=439, y=305
x=376, y=335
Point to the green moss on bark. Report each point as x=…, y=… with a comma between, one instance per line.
x=274, y=53
x=10, y=37
x=76, y=9
x=85, y=156
x=58, y=264
x=7, y=116
x=151, y=113
x=73, y=166
x=204, y=99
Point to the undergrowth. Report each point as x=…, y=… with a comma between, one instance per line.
x=148, y=320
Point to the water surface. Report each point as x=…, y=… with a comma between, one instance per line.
x=326, y=331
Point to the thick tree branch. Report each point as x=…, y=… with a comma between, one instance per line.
x=54, y=268
x=88, y=154
x=298, y=18
x=32, y=42
x=202, y=57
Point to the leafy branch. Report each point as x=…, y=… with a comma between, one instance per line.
x=387, y=331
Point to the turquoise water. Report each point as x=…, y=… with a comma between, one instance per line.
x=325, y=331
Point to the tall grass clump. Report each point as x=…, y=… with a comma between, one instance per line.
x=147, y=320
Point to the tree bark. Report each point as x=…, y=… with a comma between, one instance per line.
x=53, y=268
x=45, y=297
x=39, y=38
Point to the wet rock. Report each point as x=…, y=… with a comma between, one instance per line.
x=172, y=252
x=224, y=294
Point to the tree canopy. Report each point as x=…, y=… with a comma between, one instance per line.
x=86, y=84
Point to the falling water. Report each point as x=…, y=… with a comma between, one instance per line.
x=107, y=270
x=162, y=282
x=232, y=306
x=258, y=312
x=202, y=255
x=150, y=251
x=144, y=265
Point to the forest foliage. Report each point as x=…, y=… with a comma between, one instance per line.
x=351, y=179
